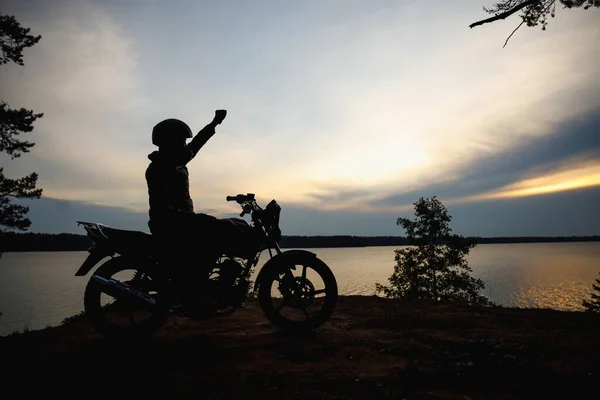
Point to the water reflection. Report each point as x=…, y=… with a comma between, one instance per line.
x=544, y=275
x=38, y=289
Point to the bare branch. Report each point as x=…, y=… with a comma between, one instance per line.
x=506, y=14
x=513, y=32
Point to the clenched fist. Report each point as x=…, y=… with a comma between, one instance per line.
x=219, y=116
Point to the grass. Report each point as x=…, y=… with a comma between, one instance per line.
x=26, y=326
x=73, y=318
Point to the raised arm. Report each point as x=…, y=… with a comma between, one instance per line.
x=206, y=133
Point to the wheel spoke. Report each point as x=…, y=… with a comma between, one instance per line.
x=109, y=295
x=320, y=291
x=303, y=274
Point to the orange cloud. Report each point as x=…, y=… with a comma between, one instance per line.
x=580, y=176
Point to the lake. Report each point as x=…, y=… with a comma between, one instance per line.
x=39, y=289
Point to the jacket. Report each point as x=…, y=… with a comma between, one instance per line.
x=168, y=183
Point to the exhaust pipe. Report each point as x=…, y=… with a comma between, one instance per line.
x=117, y=289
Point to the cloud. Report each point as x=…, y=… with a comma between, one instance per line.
x=83, y=76
x=566, y=213
x=556, y=214
x=384, y=108
x=50, y=215
x=342, y=106
x=572, y=143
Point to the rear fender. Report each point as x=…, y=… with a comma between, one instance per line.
x=97, y=254
x=284, y=262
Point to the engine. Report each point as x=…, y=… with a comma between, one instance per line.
x=228, y=270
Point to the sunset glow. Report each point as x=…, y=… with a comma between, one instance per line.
x=353, y=107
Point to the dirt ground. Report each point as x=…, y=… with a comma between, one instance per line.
x=372, y=348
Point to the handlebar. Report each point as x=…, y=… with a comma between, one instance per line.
x=241, y=198
x=266, y=219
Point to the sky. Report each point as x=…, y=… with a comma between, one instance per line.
x=344, y=111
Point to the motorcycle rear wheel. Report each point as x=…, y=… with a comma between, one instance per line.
x=125, y=316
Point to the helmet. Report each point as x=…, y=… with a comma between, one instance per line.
x=170, y=130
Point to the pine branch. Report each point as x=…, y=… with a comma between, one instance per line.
x=22, y=188
x=505, y=14
x=12, y=124
x=12, y=216
x=13, y=39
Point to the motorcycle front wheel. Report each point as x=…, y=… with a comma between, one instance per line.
x=298, y=299
x=112, y=308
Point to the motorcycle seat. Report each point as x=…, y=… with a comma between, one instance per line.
x=133, y=240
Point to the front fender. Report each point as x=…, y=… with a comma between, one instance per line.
x=287, y=259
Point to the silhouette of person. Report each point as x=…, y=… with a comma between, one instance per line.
x=180, y=231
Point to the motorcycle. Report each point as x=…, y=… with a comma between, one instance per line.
x=134, y=292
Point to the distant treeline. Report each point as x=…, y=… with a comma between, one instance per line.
x=536, y=239
x=10, y=241
x=361, y=241
x=341, y=241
